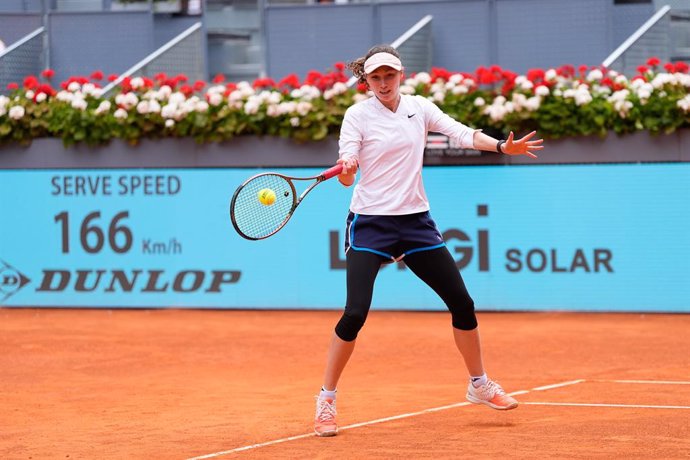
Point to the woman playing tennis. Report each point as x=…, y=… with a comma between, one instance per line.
x=384, y=138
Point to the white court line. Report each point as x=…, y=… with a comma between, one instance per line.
x=355, y=425
x=629, y=406
x=649, y=382
x=558, y=385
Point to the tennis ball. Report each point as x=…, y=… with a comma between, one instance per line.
x=267, y=196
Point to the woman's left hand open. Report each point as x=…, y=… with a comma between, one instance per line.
x=523, y=146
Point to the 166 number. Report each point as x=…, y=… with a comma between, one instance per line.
x=92, y=237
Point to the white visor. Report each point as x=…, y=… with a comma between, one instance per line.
x=381, y=59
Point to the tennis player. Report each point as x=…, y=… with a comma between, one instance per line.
x=384, y=138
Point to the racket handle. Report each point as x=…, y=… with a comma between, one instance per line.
x=332, y=172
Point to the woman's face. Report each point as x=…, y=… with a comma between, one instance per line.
x=385, y=83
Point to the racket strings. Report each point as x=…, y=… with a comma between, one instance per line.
x=257, y=220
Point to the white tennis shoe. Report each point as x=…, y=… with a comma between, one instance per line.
x=492, y=395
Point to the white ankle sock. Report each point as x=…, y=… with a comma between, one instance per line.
x=327, y=393
x=479, y=381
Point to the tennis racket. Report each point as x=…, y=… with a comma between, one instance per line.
x=264, y=203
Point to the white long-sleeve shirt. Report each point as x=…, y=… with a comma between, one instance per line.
x=389, y=148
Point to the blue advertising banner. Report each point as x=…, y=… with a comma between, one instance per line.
x=567, y=237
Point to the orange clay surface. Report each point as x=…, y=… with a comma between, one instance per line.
x=171, y=384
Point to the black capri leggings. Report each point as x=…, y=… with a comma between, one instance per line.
x=435, y=267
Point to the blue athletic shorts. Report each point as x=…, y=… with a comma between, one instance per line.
x=392, y=237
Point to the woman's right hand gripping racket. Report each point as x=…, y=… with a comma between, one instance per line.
x=264, y=203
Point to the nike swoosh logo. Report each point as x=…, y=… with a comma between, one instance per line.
x=410, y=116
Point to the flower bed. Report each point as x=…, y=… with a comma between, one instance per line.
x=562, y=102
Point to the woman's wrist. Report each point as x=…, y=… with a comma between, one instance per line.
x=499, y=146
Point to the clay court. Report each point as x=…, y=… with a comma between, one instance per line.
x=182, y=384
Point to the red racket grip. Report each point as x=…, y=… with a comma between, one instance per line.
x=332, y=172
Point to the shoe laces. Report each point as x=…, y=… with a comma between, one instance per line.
x=494, y=388
x=325, y=409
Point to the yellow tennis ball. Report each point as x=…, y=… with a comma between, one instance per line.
x=267, y=196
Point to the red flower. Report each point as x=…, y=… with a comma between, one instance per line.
x=642, y=69
x=566, y=71
x=48, y=73
x=112, y=77
x=97, y=75
x=653, y=61
x=535, y=75
x=30, y=82
x=362, y=88
x=220, y=78
x=46, y=89
x=669, y=67
x=263, y=83
x=12, y=86
x=439, y=72
x=186, y=90
x=339, y=66
x=291, y=80
x=682, y=67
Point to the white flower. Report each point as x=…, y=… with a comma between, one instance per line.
x=303, y=107
x=64, y=96
x=251, y=107
x=169, y=123
x=480, y=102
x=163, y=92
x=439, y=96
x=456, y=78
x=684, y=104
x=79, y=103
x=127, y=101
x=120, y=113
x=423, y=77
x=154, y=106
x=550, y=75
x=89, y=88
x=542, y=90
x=339, y=87
x=103, y=107
x=169, y=111
x=287, y=107
x=137, y=82
x=582, y=97
x=16, y=112
x=177, y=98
x=201, y=106
x=595, y=75
x=274, y=97
x=74, y=86
x=273, y=110
x=143, y=107
x=4, y=100
x=526, y=85
x=294, y=121
x=407, y=89
x=29, y=94
x=460, y=89
x=40, y=97
x=532, y=104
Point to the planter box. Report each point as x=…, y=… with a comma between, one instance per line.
x=251, y=151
